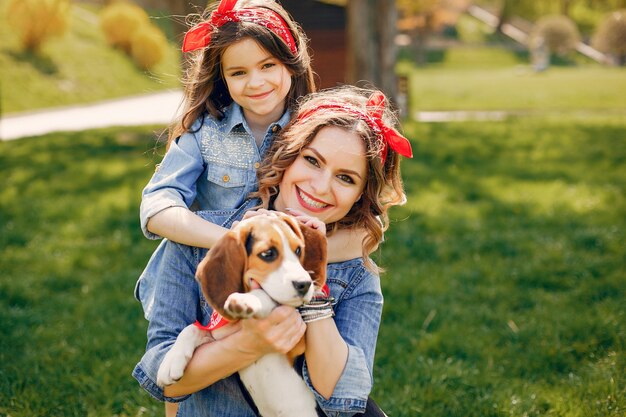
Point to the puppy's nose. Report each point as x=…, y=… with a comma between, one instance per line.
x=301, y=287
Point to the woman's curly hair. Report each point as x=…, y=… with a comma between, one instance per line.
x=383, y=186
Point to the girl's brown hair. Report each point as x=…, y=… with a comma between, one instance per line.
x=205, y=89
x=383, y=187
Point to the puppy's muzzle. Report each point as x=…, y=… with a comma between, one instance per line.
x=302, y=287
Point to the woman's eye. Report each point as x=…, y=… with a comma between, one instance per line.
x=346, y=178
x=311, y=160
x=236, y=73
x=269, y=255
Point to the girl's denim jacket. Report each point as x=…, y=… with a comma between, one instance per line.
x=172, y=299
x=214, y=166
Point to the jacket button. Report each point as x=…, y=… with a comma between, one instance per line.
x=257, y=165
x=226, y=178
x=275, y=128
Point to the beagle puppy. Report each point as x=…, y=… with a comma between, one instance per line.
x=288, y=262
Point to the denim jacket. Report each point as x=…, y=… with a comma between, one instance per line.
x=213, y=166
x=172, y=299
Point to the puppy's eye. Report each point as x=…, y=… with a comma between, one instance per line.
x=269, y=255
x=298, y=251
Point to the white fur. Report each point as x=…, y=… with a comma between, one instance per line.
x=276, y=388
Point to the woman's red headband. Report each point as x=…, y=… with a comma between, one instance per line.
x=389, y=136
x=199, y=36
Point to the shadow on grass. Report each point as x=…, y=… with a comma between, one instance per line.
x=41, y=63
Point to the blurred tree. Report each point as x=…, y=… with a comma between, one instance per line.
x=559, y=33
x=421, y=18
x=371, y=32
x=36, y=21
x=610, y=36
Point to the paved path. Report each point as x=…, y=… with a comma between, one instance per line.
x=158, y=108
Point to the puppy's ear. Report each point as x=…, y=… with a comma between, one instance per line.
x=293, y=224
x=314, y=254
x=221, y=272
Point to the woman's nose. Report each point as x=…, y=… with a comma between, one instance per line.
x=321, y=183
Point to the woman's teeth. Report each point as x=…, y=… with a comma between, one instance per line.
x=311, y=202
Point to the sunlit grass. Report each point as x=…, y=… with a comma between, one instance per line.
x=76, y=68
x=504, y=290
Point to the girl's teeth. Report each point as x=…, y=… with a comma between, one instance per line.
x=311, y=202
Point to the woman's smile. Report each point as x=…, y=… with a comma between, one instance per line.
x=310, y=202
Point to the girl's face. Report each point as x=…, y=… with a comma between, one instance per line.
x=328, y=176
x=256, y=80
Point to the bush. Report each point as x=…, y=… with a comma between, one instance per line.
x=120, y=21
x=37, y=20
x=611, y=36
x=559, y=33
x=148, y=46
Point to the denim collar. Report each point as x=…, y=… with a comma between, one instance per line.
x=233, y=115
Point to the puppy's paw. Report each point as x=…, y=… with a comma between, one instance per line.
x=242, y=306
x=172, y=368
x=176, y=359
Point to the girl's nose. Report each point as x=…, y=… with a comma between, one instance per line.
x=256, y=79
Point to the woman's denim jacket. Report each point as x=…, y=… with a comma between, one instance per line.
x=172, y=299
x=212, y=167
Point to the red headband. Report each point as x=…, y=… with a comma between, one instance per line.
x=199, y=36
x=389, y=136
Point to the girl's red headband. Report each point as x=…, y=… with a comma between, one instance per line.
x=199, y=36
x=389, y=136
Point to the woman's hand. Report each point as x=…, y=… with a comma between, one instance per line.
x=307, y=220
x=277, y=333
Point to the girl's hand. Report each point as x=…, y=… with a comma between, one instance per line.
x=307, y=220
x=278, y=332
x=253, y=213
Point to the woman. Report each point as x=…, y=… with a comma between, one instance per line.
x=337, y=161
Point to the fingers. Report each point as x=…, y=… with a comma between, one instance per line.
x=260, y=212
x=279, y=332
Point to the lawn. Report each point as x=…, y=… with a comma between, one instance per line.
x=76, y=68
x=504, y=286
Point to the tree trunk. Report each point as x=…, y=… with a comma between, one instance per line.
x=179, y=9
x=371, y=31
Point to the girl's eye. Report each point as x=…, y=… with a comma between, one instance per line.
x=268, y=65
x=311, y=160
x=345, y=178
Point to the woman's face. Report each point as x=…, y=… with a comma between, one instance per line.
x=328, y=176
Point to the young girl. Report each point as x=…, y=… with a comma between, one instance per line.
x=249, y=67
x=337, y=161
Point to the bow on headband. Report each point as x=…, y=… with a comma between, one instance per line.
x=199, y=36
x=389, y=136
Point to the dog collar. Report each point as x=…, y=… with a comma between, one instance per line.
x=216, y=322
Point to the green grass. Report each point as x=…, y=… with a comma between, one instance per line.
x=504, y=292
x=76, y=68
x=489, y=86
